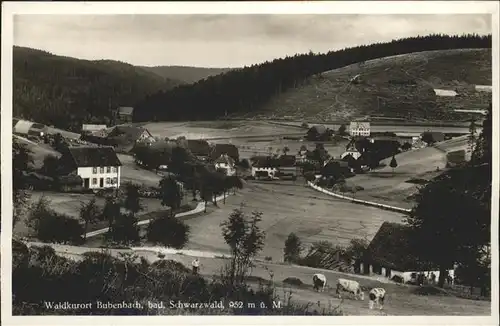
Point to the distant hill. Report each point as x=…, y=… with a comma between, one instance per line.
x=398, y=82
x=187, y=75
x=65, y=92
x=394, y=87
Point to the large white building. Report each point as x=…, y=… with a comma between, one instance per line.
x=99, y=167
x=360, y=128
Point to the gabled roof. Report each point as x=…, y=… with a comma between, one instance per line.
x=225, y=159
x=127, y=133
x=390, y=248
x=94, y=156
x=228, y=149
x=199, y=147
x=125, y=110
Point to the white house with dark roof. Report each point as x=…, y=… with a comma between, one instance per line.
x=99, y=167
x=225, y=163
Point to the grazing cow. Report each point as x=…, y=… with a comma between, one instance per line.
x=319, y=282
x=350, y=286
x=376, y=295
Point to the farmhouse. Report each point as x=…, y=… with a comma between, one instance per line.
x=432, y=136
x=92, y=128
x=455, y=158
x=229, y=149
x=200, y=148
x=99, y=167
x=124, y=138
x=124, y=114
x=360, y=128
x=28, y=128
x=352, y=152
x=264, y=166
x=389, y=255
x=225, y=163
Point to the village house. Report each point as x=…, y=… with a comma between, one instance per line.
x=124, y=114
x=229, y=149
x=99, y=167
x=360, y=128
x=389, y=255
x=90, y=128
x=200, y=148
x=351, y=150
x=124, y=138
x=262, y=165
x=27, y=128
x=226, y=164
x=432, y=136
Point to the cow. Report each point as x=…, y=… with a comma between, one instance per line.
x=319, y=282
x=376, y=295
x=350, y=286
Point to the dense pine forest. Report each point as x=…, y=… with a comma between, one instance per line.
x=248, y=89
x=66, y=92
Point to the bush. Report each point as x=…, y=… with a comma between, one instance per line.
x=397, y=279
x=293, y=281
x=168, y=231
x=60, y=228
x=293, y=248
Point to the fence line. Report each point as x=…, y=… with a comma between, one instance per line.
x=359, y=201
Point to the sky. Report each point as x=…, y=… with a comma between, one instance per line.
x=223, y=40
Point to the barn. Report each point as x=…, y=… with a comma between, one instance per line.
x=389, y=255
x=28, y=128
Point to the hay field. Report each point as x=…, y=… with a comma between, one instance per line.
x=218, y=129
x=290, y=207
x=385, y=186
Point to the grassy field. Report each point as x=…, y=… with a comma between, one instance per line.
x=401, y=300
x=290, y=207
x=385, y=186
x=69, y=204
x=330, y=96
x=218, y=129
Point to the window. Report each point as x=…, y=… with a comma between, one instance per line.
x=108, y=181
x=94, y=180
x=113, y=169
x=94, y=170
x=101, y=169
x=114, y=181
x=108, y=169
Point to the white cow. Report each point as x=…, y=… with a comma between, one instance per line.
x=376, y=295
x=350, y=286
x=319, y=282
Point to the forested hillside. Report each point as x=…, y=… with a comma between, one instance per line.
x=187, y=75
x=248, y=90
x=66, y=92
